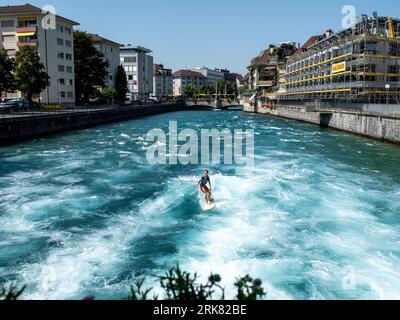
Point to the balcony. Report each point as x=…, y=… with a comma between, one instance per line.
x=30, y=43
x=268, y=83
x=26, y=31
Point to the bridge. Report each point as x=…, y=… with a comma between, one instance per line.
x=213, y=101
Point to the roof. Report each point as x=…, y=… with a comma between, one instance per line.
x=188, y=73
x=312, y=40
x=136, y=48
x=27, y=9
x=97, y=38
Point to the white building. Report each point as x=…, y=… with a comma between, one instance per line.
x=211, y=75
x=182, y=78
x=22, y=25
x=138, y=65
x=110, y=50
x=163, y=81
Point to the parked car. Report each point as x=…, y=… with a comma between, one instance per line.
x=16, y=104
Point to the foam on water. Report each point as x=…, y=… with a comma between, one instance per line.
x=83, y=213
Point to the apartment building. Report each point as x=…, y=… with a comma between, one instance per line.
x=163, y=81
x=138, y=65
x=52, y=37
x=182, y=78
x=358, y=65
x=110, y=50
x=264, y=70
x=212, y=76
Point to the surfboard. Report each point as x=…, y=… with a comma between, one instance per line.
x=208, y=207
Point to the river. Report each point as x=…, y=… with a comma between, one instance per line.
x=83, y=213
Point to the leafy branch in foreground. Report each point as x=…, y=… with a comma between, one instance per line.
x=181, y=285
x=11, y=293
x=249, y=289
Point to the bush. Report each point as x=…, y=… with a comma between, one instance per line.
x=181, y=285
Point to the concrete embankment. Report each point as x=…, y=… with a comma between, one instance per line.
x=14, y=129
x=376, y=126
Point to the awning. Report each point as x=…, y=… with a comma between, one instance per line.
x=26, y=34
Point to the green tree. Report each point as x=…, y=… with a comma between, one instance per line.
x=107, y=95
x=191, y=91
x=30, y=74
x=7, y=81
x=91, y=69
x=121, y=84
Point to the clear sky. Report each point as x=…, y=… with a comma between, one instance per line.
x=213, y=33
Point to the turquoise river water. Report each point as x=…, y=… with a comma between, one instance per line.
x=83, y=213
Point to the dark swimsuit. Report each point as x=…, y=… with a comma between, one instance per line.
x=204, y=181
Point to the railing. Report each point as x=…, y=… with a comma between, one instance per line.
x=15, y=113
x=25, y=30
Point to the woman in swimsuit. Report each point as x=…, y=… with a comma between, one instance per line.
x=203, y=186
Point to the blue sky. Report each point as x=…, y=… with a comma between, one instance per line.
x=214, y=33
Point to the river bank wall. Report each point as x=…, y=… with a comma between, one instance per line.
x=17, y=128
x=380, y=127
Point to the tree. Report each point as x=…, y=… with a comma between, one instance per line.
x=191, y=91
x=91, y=69
x=30, y=74
x=121, y=84
x=7, y=81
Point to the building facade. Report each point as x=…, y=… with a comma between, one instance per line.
x=163, y=82
x=24, y=25
x=358, y=65
x=183, y=78
x=110, y=50
x=138, y=65
x=212, y=76
x=264, y=70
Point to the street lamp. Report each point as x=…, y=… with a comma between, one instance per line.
x=387, y=87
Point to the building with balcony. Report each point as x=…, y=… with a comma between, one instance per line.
x=138, y=65
x=183, y=78
x=359, y=66
x=264, y=70
x=26, y=25
x=212, y=76
x=163, y=81
x=110, y=50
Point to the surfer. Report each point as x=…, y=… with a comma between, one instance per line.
x=203, y=186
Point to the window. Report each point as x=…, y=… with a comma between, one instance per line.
x=8, y=38
x=62, y=81
x=61, y=68
x=69, y=69
x=68, y=56
x=130, y=77
x=130, y=59
x=68, y=30
x=68, y=43
x=62, y=94
x=70, y=94
x=70, y=82
x=111, y=77
x=60, y=42
x=7, y=23
x=61, y=55
x=60, y=28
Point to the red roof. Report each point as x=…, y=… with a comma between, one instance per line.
x=187, y=73
x=312, y=40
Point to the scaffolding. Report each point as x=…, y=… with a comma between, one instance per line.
x=356, y=65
